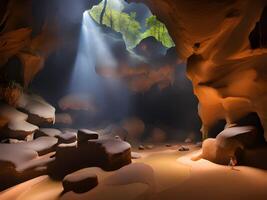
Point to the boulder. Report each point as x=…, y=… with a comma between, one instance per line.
x=150, y=146
x=231, y=142
x=109, y=154
x=182, y=148
x=135, y=155
x=10, y=113
x=18, y=130
x=80, y=181
x=39, y=111
x=141, y=147
x=114, y=153
x=41, y=145
x=18, y=164
x=84, y=134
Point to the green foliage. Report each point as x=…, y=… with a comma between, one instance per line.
x=129, y=27
x=158, y=30
x=120, y=22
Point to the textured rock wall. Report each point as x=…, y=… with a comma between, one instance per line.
x=30, y=30
x=229, y=78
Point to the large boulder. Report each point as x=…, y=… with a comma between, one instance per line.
x=109, y=154
x=114, y=153
x=20, y=162
x=230, y=143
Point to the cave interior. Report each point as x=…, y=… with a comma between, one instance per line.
x=133, y=99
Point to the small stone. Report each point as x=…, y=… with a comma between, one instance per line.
x=149, y=146
x=188, y=140
x=135, y=155
x=168, y=145
x=182, y=148
x=80, y=182
x=141, y=147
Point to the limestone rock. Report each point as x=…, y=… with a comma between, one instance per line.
x=135, y=155
x=41, y=145
x=114, y=153
x=182, y=148
x=39, y=111
x=230, y=143
x=150, y=146
x=141, y=147
x=11, y=113
x=80, y=181
x=18, y=130
x=109, y=154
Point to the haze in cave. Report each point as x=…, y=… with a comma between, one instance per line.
x=133, y=99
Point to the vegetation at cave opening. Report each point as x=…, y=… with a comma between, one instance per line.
x=109, y=13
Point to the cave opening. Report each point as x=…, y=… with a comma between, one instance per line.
x=125, y=69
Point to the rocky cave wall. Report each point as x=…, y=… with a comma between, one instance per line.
x=228, y=76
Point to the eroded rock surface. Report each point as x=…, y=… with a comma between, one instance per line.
x=80, y=181
x=39, y=111
x=231, y=143
x=109, y=154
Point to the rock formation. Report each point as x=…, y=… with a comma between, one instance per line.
x=216, y=38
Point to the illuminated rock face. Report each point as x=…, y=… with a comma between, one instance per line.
x=229, y=78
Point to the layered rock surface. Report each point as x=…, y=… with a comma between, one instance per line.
x=109, y=154
x=243, y=144
x=228, y=76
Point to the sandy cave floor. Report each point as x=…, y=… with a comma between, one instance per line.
x=174, y=176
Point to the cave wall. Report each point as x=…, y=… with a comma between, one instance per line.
x=228, y=76
x=31, y=30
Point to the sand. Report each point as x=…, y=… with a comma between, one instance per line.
x=176, y=176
